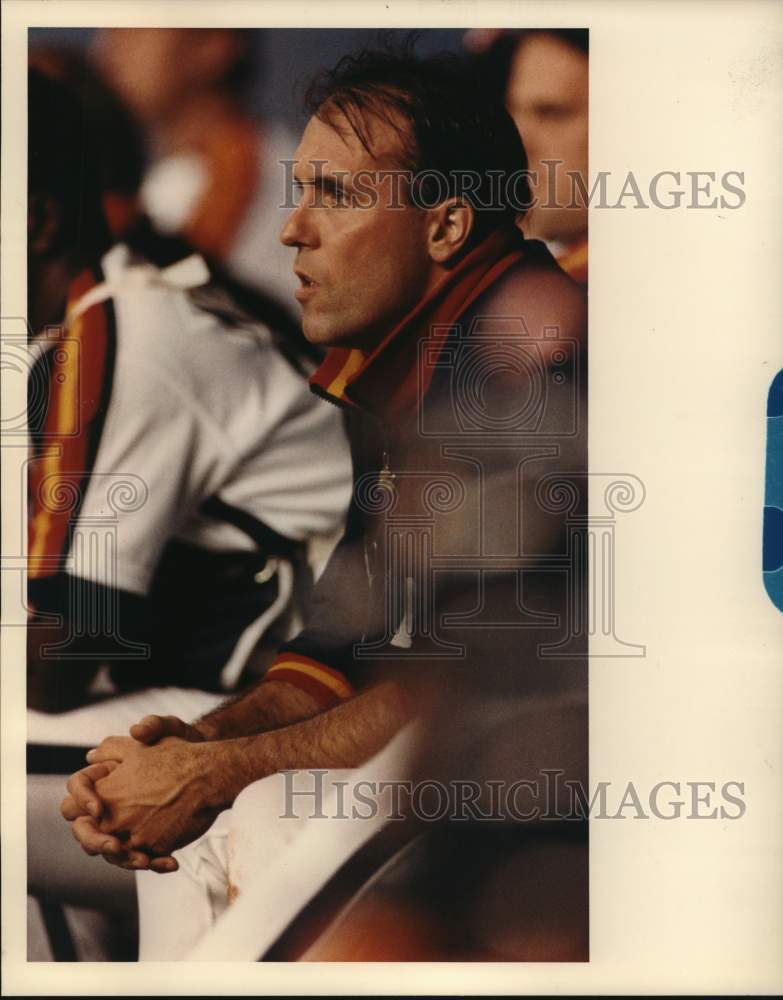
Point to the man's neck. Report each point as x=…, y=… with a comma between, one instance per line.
x=372, y=339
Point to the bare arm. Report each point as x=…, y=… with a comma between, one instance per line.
x=268, y=705
x=344, y=736
x=159, y=798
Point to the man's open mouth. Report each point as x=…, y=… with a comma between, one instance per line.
x=306, y=286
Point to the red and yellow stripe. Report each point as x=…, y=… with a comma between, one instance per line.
x=59, y=472
x=573, y=261
x=390, y=380
x=326, y=685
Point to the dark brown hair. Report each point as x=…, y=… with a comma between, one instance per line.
x=446, y=121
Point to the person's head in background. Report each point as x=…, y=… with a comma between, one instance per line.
x=66, y=225
x=121, y=147
x=543, y=76
x=176, y=80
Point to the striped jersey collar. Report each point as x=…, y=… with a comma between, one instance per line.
x=390, y=381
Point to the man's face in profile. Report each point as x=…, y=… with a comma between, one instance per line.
x=362, y=262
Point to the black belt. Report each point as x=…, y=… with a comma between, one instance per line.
x=269, y=541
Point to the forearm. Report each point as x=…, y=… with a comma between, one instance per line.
x=268, y=705
x=344, y=736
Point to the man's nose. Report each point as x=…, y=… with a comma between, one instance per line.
x=297, y=229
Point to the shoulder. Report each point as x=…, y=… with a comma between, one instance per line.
x=176, y=316
x=196, y=342
x=539, y=292
x=515, y=363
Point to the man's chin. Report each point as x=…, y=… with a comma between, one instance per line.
x=324, y=335
x=315, y=333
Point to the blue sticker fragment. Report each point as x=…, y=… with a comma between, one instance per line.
x=775, y=397
x=773, y=495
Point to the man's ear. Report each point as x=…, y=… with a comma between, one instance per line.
x=450, y=226
x=43, y=224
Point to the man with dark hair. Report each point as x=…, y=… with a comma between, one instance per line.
x=451, y=139
x=455, y=352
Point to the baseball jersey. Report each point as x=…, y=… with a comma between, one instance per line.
x=176, y=447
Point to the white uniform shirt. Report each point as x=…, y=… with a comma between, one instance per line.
x=198, y=410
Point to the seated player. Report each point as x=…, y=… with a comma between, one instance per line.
x=179, y=469
x=454, y=352
x=179, y=462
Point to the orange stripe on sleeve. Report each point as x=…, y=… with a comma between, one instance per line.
x=58, y=475
x=326, y=685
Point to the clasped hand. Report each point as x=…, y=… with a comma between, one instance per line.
x=143, y=796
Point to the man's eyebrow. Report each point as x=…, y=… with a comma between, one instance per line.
x=325, y=182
